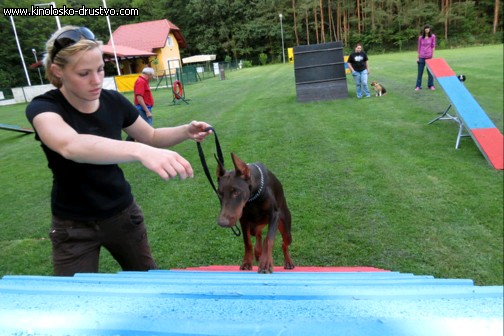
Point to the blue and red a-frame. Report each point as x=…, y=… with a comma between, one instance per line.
x=485, y=134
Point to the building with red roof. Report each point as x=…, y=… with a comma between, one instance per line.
x=152, y=43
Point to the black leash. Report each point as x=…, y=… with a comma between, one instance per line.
x=220, y=157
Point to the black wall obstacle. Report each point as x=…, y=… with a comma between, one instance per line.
x=319, y=71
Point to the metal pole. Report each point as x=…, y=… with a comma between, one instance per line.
x=56, y=16
x=38, y=68
x=281, y=30
x=20, y=52
x=53, y=4
x=112, y=40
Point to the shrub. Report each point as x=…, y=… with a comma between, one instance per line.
x=263, y=58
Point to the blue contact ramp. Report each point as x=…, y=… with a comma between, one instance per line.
x=470, y=115
x=246, y=303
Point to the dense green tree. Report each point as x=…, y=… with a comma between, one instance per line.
x=244, y=29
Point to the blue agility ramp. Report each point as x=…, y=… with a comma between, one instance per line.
x=470, y=116
x=183, y=302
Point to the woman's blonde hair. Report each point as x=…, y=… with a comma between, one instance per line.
x=63, y=56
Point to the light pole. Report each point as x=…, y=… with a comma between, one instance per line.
x=38, y=68
x=53, y=4
x=19, y=49
x=112, y=41
x=281, y=30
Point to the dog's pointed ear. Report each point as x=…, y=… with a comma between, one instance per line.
x=220, y=167
x=240, y=167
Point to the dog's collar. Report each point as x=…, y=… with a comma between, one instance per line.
x=261, y=185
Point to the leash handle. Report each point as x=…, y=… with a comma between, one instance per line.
x=219, y=156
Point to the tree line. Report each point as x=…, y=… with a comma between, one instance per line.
x=250, y=29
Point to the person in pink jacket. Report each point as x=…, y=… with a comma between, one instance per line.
x=426, y=47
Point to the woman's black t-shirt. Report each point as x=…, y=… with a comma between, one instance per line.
x=358, y=61
x=83, y=191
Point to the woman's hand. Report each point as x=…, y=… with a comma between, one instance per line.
x=197, y=130
x=166, y=163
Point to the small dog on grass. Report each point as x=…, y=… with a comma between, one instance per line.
x=379, y=89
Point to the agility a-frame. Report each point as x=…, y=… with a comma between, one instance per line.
x=469, y=114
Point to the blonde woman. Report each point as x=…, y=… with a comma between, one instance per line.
x=79, y=127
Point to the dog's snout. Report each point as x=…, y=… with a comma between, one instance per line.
x=223, y=221
x=226, y=221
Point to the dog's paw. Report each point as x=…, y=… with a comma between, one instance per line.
x=246, y=267
x=265, y=267
x=289, y=265
x=265, y=270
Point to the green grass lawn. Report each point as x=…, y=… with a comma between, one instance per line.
x=368, y=182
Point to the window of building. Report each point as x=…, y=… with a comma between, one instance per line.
x=169, y=41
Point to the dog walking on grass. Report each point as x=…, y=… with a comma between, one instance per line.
x=253, y=195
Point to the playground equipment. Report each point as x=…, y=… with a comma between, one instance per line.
x=178, y=89
x=177, y=85
x=469, y=114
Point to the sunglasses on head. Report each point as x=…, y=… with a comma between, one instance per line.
x=69, y=38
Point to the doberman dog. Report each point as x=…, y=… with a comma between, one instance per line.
x=253, y=195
